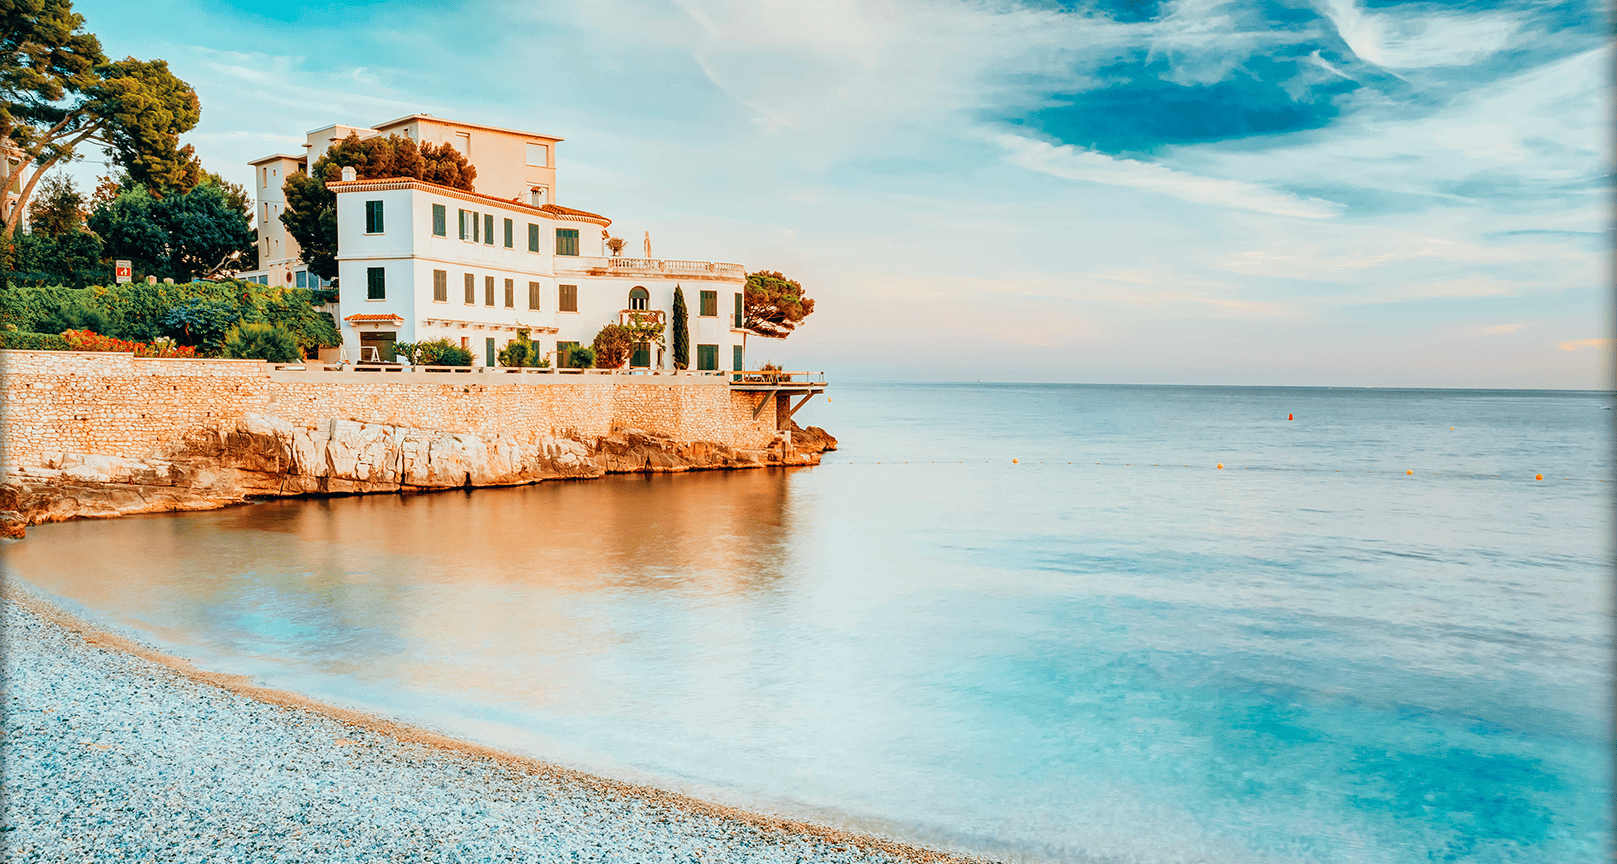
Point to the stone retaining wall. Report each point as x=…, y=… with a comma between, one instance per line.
x=118, y=405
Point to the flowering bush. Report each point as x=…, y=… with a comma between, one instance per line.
x=85, y=340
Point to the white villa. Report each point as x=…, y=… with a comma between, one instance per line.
x=418, y=261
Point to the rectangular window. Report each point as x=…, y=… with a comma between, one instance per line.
x=537, y=155
x=735, y=357
x=567, y=298
x=488, y=351
x=739, y=317
x=466, y=223
x=475, y=223
x=533, y=296
x=533, y=237
x=471, y=290
x=488, y=229
x=440, y=286
x=566, y=241
x=707, y=358
x=510, y=293
x=440, y=220
x=375, y=283
x=488, y=290
x=373, y=217
x=710, y=304
x=510, y=234
x=564, y=354
x=303, y=278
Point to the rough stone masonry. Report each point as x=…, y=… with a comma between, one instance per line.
x=105, y=434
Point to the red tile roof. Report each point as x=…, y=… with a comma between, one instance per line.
x=374, y=319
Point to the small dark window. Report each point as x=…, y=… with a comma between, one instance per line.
x=533, y=295
x=488, y=290
x=468, y=223
x=567, y=298
x=639, y=298
x=533, y=237
x=440, y=286
x=488, y=229
x=375, y=283
x=566, y=241
x=710, y=304
x=510, y=234
x=510, y=293
x=471, y=290
x=735, y=355
x=488, y=351
x=707, y=358
x=373, y=217
x=440, y=220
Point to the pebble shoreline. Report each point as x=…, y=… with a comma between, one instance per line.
x=110, y=755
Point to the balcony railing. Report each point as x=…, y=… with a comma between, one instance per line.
x=651, y=266
x=646, y=316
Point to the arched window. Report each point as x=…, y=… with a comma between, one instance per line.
x=639, y=298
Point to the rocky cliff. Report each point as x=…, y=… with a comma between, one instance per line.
x=259, y=456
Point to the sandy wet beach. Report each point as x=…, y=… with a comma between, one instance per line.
x=113, y=751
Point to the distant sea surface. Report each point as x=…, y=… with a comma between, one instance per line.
x=1033, y=622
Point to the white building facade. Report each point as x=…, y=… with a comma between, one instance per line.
x=419, y=262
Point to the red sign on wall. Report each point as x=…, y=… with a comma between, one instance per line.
x=124, y=270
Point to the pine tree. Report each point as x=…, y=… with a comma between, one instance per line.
x=682, y=331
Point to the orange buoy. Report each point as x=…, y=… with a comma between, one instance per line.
x=1288, y=416
x=1538, y=476
x=1410, y=471
x=1221, y=466
x=1013, y=461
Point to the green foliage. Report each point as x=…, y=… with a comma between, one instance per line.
x=58, y=91
x=311, y=209
x=58, y=208
x=581, y=358
x=137, y=311
x=72, y=258
x=682, y=331
x=24, y=341
x=406, y=350
x=440, y=352
x=773, y=305
x=253, y=340
x=203, y=321
x=182, y=236
x=612, y=346
x=78, y=315
x=522, y=351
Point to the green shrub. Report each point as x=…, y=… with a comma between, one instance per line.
x=522, y=351
x=203, y=321
x=77, y=315
x=441, y=352
x=25, y=341
x=581, y=357
x=254, y=340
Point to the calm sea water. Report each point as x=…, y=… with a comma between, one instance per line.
x=1108, y=650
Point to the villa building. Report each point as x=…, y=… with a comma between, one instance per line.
x=417, y=261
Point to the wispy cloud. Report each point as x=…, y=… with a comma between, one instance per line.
x=1576, y=344
x=1073, y=163
x=1502, y=329
x=1421, y=38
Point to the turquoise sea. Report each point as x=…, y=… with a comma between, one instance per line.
x=1034, y=622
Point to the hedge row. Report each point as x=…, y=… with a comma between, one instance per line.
x=24, y=341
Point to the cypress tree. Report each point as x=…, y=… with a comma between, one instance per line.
x=682, y=331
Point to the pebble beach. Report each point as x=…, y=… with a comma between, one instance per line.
x=113, y=752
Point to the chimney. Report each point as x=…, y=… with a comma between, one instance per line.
x=349, y=174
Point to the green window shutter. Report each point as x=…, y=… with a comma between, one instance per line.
x=533, y=237
x=510, y=234
x=440, y=220
x=373, y=217
x=533, y=296
x=707, y=358
x=440, y=286
x=566, y=241
x=375, y=283
x=476, y=223
x=488, y=290
x=471, y=290
x=735, y=355
x=510, y=293
x=488, y=229
x=488, y=350
x=739, y=319
x=710, y=304
x=568, y=298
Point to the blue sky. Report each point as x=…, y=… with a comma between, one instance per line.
x=1311, y=192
